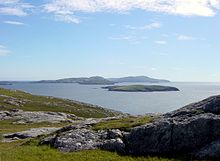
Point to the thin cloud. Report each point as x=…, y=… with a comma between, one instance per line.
x=153, y=69
x=160, y=42
x=121, y=38
x=132, y=39
x=4, y=51
x=13, y=23
x=185, y=38
x=153, y=25
x=175, y=7
x=14, y=8
x=67, y=18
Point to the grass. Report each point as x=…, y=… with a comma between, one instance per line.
x=43, y=103
x=125, y=123
x=18, y=152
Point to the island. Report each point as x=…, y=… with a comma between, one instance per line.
x=5, y=83
x=95, y=80
x=141, y=88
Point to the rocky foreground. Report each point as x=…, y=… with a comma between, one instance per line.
x=193, y=130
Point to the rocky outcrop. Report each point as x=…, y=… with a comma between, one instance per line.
x=24, y=117
x=14, y=101
x=78, y=139
x=210, y=151
x=81, y=137
x=174, y=135
x=32, y=133
x=182, y=131
x=192, y=130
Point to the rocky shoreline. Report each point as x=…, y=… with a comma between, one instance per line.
x=193, y=130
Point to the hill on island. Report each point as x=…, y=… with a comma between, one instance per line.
x=138, y=79
x=96, y=80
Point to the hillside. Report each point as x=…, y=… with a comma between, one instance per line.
x=137, y=79
x=11, y=99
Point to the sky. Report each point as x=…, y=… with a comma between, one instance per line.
x=177, y=40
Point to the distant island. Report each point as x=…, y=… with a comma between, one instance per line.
x=138, y=79
x=5, y=83
x=97, y=80
x=141, y=88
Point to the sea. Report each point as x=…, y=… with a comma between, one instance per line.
x=134, y=103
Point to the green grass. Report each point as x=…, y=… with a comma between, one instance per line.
x=43, y=103
x=18, y=152
x=125, y=123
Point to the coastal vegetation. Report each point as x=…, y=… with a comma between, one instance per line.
x=55, y=135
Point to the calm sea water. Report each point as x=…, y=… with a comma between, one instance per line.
x=133, y=103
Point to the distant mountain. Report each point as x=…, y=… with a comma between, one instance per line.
x=137, y=79
x=96, y=80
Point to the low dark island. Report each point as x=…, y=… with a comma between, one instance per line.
x=141, y=88
x=5, y=83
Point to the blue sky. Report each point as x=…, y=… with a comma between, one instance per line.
x=49, y=39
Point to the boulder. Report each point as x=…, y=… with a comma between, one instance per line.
x=193, y=127
x=174, y=135
x=78, y=137
x=209, y=152
x=76, y=140
x=114, y=145
x=151, y=138
x=114, y=133
x=212, y=105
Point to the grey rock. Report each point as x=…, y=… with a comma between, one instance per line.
x=174, y=135
x=49, y=140
x=78, y=139
x=212, y=105
x=151, y=138
x=114, y=133
x=115, y=145
x=210, y=151
x=182, y=131
x=32, y=133
x=14, y=101
x=209, y=105
x=24, y=117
